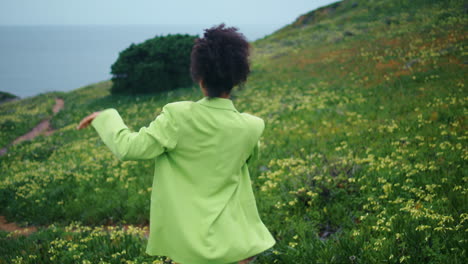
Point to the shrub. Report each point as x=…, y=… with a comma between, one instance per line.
x=158, y=64
x=4, y=97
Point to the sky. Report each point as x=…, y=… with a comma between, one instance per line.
x=183, y=12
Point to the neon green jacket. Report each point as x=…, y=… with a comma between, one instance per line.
x=203, y=210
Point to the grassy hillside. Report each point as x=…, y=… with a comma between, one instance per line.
x=362, y=158
x=19, y=116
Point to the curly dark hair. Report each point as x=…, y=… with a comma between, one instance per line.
x=220, y=59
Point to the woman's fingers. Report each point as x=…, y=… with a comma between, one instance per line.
x=84, y=123
x=87, y=121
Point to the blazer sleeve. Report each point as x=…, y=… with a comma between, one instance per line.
x=255, y=153
x=149, y=142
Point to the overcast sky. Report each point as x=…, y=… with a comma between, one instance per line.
x=111, y=12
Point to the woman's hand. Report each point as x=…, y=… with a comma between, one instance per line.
x=87, y=120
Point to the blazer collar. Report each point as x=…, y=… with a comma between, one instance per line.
x=218, y=102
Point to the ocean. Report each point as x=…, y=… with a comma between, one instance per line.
x=39, y=59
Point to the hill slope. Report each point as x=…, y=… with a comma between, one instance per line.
x=362, y=158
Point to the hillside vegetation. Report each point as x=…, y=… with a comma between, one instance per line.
x=362, y=161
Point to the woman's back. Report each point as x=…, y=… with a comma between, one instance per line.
x=207, y=179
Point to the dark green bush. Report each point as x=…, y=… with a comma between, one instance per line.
x=158, y=64
x=4, y=96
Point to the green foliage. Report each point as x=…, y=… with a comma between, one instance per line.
x=158, y=64
x=76, y=243
x=4, y=96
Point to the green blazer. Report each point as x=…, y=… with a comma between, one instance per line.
x=203, y=210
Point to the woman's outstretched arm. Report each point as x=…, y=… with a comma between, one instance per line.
x=148, y=143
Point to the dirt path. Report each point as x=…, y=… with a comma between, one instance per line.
x=26, y=231
x=10, y=227
x=42, y=128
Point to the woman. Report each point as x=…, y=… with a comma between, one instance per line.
x=203, y=210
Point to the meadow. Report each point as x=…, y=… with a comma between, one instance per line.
x=362, y=158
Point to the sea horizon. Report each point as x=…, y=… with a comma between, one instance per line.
x=45, y=58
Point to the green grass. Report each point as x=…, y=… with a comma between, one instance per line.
x=363, y=155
